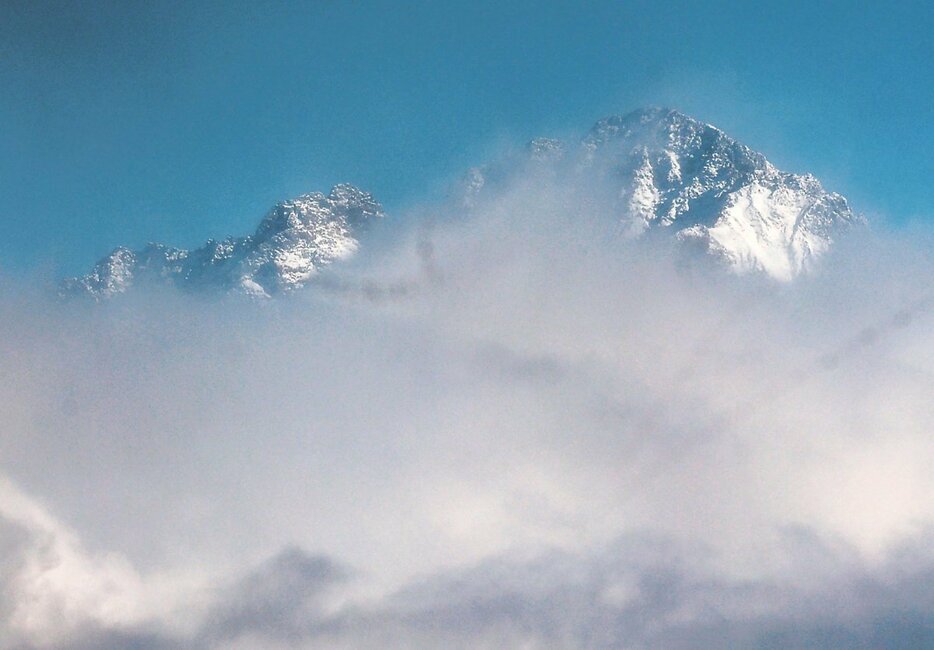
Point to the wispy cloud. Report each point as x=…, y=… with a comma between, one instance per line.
x=549, y=438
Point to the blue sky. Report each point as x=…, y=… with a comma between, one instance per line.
x=129, y=122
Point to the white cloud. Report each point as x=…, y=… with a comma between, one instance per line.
x=554, y=438
x=50, y=585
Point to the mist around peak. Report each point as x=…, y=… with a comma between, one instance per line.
x=512, y=428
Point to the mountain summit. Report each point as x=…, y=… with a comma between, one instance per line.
x=290, y=245
x=668, y=171
x=665, y=172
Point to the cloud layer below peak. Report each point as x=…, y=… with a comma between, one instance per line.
x=510, y=431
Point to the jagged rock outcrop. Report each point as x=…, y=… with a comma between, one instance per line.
x=291, y=244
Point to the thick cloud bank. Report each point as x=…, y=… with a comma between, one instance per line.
x=513, y=429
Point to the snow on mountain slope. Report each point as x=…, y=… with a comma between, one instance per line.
x=292, y=242
x=663, y=171
x=775, y=227
x=668, y=171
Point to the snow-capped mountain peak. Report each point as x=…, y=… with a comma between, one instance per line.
x=291, y=244
x=666, y=170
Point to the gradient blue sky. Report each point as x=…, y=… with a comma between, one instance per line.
x=125, y=122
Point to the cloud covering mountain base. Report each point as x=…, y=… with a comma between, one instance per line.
x=538, y=435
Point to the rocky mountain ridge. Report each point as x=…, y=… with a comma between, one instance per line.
x=291, y=244
x=663, y=171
